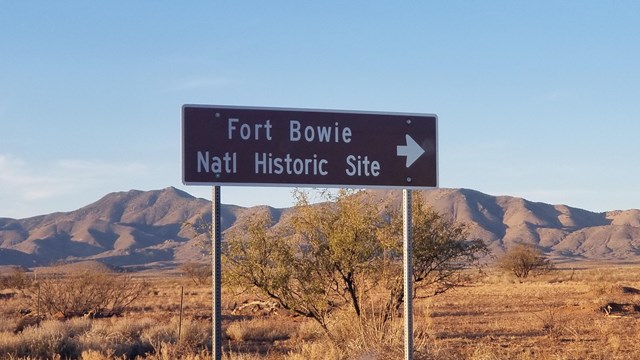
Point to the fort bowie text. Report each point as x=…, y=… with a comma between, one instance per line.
x=270, y=163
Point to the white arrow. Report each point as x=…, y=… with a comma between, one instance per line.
x=411, y=150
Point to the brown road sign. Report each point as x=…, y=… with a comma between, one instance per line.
x=225, y=145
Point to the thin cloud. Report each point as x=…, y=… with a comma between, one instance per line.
x=28, y=188
x=13, y=173
x=98, y=171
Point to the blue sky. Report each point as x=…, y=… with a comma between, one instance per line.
x=535, y=99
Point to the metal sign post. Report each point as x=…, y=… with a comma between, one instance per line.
x=216, y=268
x=407, y=257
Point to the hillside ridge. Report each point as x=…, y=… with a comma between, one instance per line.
x=146, y=228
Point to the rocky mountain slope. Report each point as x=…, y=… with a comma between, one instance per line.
x=145, y=228
x=563, y=231
x=123, y=229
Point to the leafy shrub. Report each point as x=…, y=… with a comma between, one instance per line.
x=17, y=279
x=96, y=293
x=199, y=273
x=524, y=260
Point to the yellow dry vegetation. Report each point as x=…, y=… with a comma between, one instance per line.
x=578, y=311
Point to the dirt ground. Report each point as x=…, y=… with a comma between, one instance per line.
x=580, y=311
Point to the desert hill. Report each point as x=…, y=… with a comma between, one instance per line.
x=145, y=228
x=122, y=229
x=563, y=231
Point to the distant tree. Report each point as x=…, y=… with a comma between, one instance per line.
x=93, y=293
x=199, y=273
x=523, y=260
x=17, y=279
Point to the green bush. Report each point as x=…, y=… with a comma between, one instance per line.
x=523, y=260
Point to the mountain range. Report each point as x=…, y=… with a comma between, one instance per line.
x=141, y=229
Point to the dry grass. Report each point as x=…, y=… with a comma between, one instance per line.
x=559, y=316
